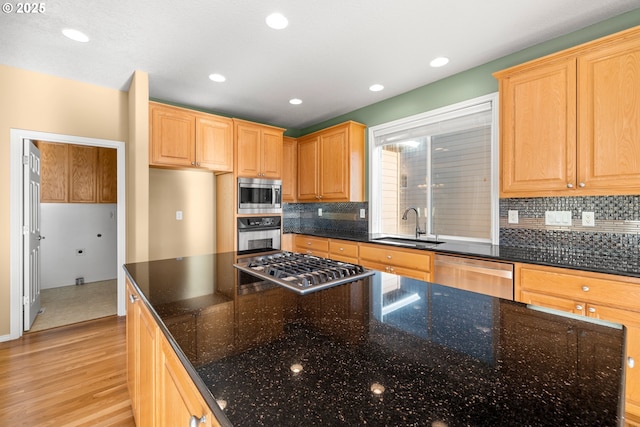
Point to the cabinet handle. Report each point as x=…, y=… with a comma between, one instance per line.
x=592, y=310
x=581, y=185
x=630, y=362
x=569, y=185
x=194, y=421
x=579, y=307
x=132, y=298
x=585, y=288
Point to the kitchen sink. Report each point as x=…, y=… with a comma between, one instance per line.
x=407, y=243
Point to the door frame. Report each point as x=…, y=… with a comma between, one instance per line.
x=17, y=208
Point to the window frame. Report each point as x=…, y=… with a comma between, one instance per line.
x=424, y=118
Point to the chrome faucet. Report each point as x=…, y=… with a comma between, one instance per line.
x=404, y=218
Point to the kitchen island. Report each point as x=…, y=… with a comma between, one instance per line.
x=385, y=350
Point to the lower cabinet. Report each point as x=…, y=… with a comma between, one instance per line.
x=343, y=250
x=601, y=296
x=318, y=246
x=162, y=392
x=416, y=264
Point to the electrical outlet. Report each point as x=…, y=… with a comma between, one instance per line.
x=362, y=213
x=588, y=219
x=513, y=217
x=179, y=215
x=319, y=211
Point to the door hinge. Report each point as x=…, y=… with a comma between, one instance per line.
x=25, y=300
x=25, y=160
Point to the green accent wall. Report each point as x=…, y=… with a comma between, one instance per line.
x=472, y=83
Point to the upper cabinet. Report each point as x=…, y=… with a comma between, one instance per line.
x=258, y=150
x=289, y=170
x=570, y=122
x=187, y=139
x=331, y=164
x=78, y=173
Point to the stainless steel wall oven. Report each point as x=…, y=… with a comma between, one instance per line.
x=257, y=234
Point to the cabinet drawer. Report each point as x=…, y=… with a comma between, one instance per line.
x=415, y=260
x=585, y=288
x=400, y=271
x=556, y=303
x=305, y=243
x=343, y=249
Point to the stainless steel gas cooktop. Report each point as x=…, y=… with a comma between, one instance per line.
x=302, y=273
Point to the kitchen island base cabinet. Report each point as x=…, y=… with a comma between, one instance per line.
x=162, y=393
x=179, y=402
x=601, y=296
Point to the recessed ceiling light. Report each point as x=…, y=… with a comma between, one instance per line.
x=295, y=101
x=75, y=35
x=218, y=78
x=277, y=21
x=376, y=88
x=439, y=61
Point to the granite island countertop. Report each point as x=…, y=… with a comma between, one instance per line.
x=387, y=350
x=609, y=260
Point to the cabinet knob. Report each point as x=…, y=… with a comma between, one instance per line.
x=585, y=288
x=582, y=185
x=391, y=269
x=592, y=310
x=341, y=249
x=132, y=298
x=630, y=362
x=193, y=163
x=198, y=164
x=569, y=185
x=579, y=307
x=388, y=256
x=194, y=421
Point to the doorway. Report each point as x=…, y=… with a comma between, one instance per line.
x=17, y=290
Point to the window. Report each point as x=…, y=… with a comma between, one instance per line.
x=444, y=164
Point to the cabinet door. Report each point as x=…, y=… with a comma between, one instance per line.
x=172, y=138
x=133, y=348
x=271, y=155
x=214, y=143
x=308, y=169
x=631, y=319
x=54, y=181
x=248, y=150
x=107, y=175
x=83, y=163
x=556, y=303
x=538, y=125
x=178, y=398
x=609, y=117
x=289, y=170
x=334, y=166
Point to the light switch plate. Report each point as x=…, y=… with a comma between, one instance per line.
x=179, y=215
x=362, y=213
x=557, y=218
x=513, y=217
x=319, y=211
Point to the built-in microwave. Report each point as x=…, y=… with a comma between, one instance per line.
x=259, y=196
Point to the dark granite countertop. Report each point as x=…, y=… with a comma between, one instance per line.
x=611, y=261
x=385, y=351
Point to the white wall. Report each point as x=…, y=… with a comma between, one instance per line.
x=68, y=227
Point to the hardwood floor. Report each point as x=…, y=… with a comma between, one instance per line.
x=69, y=376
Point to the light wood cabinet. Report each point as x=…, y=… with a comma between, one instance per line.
x=54, y=172
x=179, y=402
x=601, y=296
x=259, y=150
x=343, y=250
x=570, y=121
x=142, y=338
x=182, y=138
x=317, y=246
x=78, y=173
x=289, y=170
x=331, y=164
x=413, y=263
x=162, y=392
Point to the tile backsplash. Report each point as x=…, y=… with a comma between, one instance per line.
x=341, y=217
x=617, y=223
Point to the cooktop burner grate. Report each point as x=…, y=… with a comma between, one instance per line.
x=303, y=273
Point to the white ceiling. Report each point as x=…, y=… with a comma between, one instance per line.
x=330, y=54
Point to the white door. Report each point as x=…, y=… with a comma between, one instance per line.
x=31, y=232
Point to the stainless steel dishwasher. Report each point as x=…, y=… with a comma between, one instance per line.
x=486, y=277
